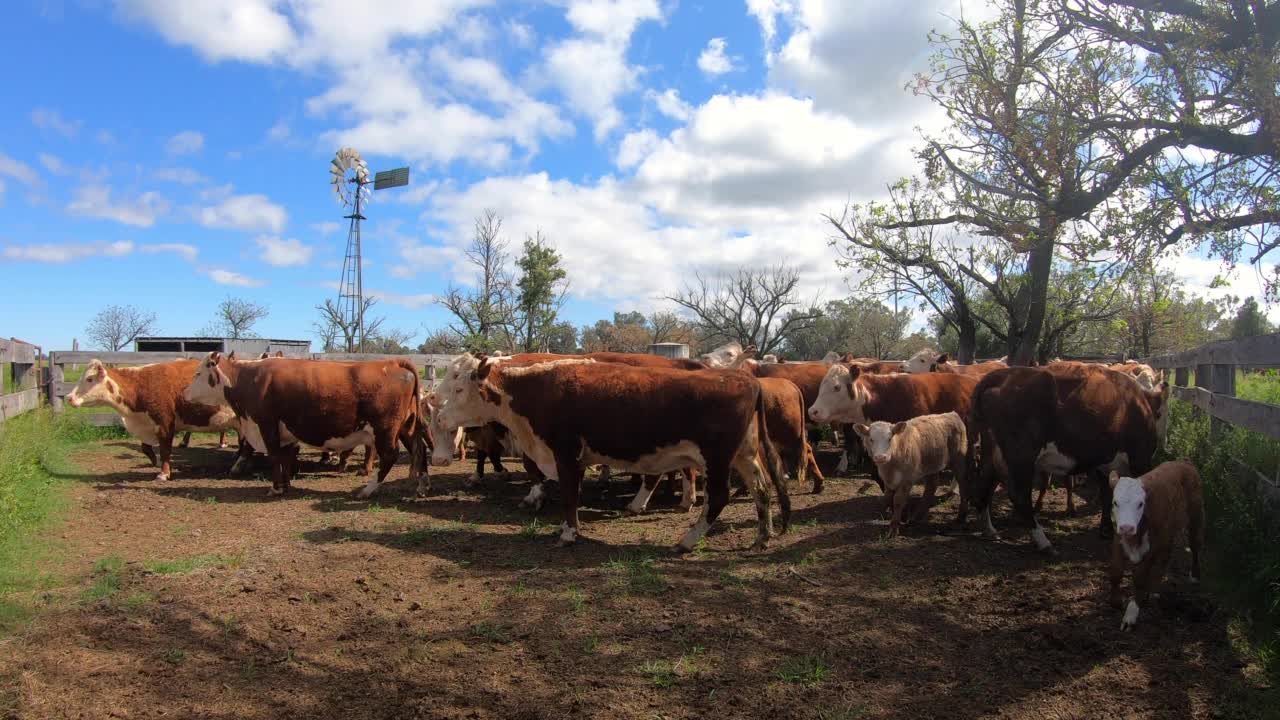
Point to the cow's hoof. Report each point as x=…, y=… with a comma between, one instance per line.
x=222, y=446
x=363, y=493
x=817, y=489
x=471, y=481
x=680, y=549
x=162, y=477
x=275, y=492
x=686, y=508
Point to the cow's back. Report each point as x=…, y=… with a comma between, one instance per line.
x=1103, y=411
x=903, y=396
x=807, y=376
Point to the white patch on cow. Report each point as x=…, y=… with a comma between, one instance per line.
x=161, y=477
x=370, y=487
x=665, y=459
x=689, y=492
x=1128, y=503
x=723, y=356
x=1054, y=461
x=223, y=419
x=831, y=358
x=641, y=501
x=141, y=426
x=834, y=402
x=879, y=442
x=359, y=438
x=568, y=534
x=1130, y=616
x=988, y=530
x=1041, y=540
x=1135, y=552
x=253, y=435
x=921, y=362
x=695, y=533
x=534, y=498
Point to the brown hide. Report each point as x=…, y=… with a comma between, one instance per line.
x=157, y=390
x=902, y=396
x=785, y=408
x=976, y=370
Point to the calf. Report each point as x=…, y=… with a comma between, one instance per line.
x=928, y=360
x=567, y=414
x=1061, y=419
x=151, y=404
x=332, y=405
x=921, y=447
x=1151, y=512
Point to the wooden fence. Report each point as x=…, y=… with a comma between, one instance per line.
x=22, y=360
x=58, y=387
x=1214, y=393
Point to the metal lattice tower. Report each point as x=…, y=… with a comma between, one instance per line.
x=351, y=289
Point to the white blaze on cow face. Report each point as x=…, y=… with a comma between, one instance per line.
x=723, y=356
x=209, y=385
x=96, y=388
x=878, y=439
x=839, y=398
x=922, y=362
x=1128, y=502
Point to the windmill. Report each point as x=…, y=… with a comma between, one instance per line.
x=349, y=176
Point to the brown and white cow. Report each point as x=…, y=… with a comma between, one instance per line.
x=566, y=414
x=847, y=394
x=151, y=404
x=1061, y=419
x=336, y=406
x=920, y=448
x=928, y=360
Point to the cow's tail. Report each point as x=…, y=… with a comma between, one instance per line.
x=772, y=464
x=415, y=429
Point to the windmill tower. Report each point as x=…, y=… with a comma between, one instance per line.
x=350, y=178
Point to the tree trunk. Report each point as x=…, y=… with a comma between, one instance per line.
x=1039, y=265
x=967, y=330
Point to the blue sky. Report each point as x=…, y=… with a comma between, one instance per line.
x=167, y=154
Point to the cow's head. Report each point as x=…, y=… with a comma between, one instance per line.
x=1128, y=504
x=95, y=388
x=877, y=438
x=209, y=386
x=770, y=359
x=927, y=360
x=840, y=398
x=831, y=358
x=727, y=355
x=1158, y=400
x=465, y=396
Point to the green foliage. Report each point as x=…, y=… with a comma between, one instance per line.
x=1249, y=320
x=540, y=292
x=866, y=328
x=808, y=670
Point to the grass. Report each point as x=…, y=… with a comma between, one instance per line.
x=194, y=562
x=490, y=632
x=174, y=656
x=664, y=673
x=534, y=529
x=6, y=378
x=1242, y=563
x=577, y=599
x=808, y=670
x=639, y=574
x=661, y=673
x=33, y=451
x=108, y=578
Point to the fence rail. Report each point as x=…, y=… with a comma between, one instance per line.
x=21, y=358
x=1214, y=367
x=57, y=387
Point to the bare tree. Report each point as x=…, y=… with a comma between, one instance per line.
x=486, y=317
x=235, y=318
x=442, y=341
x=669, y=327
x=334, y=325
x=390, y=341
x=748, y=306
x=115, y=326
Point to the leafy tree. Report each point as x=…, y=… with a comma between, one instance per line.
x=441, y=342
x=540, y=293
x=115, y=327
x=866, y=328
x=1249, y=320
x=393, y=341
x=562, y=338
x=486, y=317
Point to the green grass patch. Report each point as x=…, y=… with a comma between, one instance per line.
x=194, y=562
x=577, y=599
x=808, y=670
x=534, y=529
x=108, y=578
x=639, y=574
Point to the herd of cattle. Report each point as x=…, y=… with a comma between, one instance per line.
x=725, y=415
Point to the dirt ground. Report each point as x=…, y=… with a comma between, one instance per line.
x=201, y=598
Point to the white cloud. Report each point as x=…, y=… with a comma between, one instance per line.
x=521, y=34
x=53, y=164
x=412, y=302
x=279, y=132
x=61, y=253
x=670, y=104
x=96, y=201
x=767, y=12
x=254, y=30
x=636, y=146
x=186, y=142
x=186, y=252
x=326, y=228
x=1199, y=274
x=244, y=212
x=226, y=277
x=47, y=119
x=282, y=252
x=18, y=170
x=713, y=60
x=179, y=175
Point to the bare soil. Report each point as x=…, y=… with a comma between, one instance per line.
x=461, y=606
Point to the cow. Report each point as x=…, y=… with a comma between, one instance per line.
x=921, y=447
x=151, y=404
x=1143, y=373
x=1061, y=419
x=727, y=355
x=568, y=413
x=928, y=360
x=332, y=405
x=1151, y=512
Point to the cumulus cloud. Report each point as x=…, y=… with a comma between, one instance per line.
x=253, y=30
x=636, y=146
x=1200, y=274
x=47, y=119
x=66, y=252
x=278, y=132
x=412, y=302
x=282, y=252
x=186, y=142
x=244, y=212
x=96, y=201
x=670, y=104
x=326, y=228
x=226, y=277
x=713, y=60
x=182, y=250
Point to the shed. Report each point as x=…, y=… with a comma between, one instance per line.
x=247, y=347
x=669, y=349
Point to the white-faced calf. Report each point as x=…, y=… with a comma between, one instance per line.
x=919, y=448
x=1150, y=513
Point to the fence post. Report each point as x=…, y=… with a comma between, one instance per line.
x=1224, y=383
x=1180, y=376
x=55, y=381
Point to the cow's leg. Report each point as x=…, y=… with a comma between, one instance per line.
x=150, y=452
x=291, y=464
x=1102, y=480
x=1021, y=473
x=717, y=476
x=1069, y=482
x=165, y=449
x=689, y=489
x=478, y=475
x=537, y=493
x=279, y=456
x=222, y=440
x=847, y=436
x=1042, y=485
x=984, y=488
x=496, y=461
x=186, y=440
x=369, y=456
x=343, y=457
x=900, y=497
x=244, y=455
x=639, y=503
x=387, y=455
x=926, y=501
x=1115, y=576
x=570, y=470
x=752, y=470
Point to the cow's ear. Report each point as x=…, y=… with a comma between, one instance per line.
x=231, y=355
x=944, y=357
x=482, y=370
x=96, y=368
x=898, y=427
x=1113, y=479
x=215, y=357
x=861, y=429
